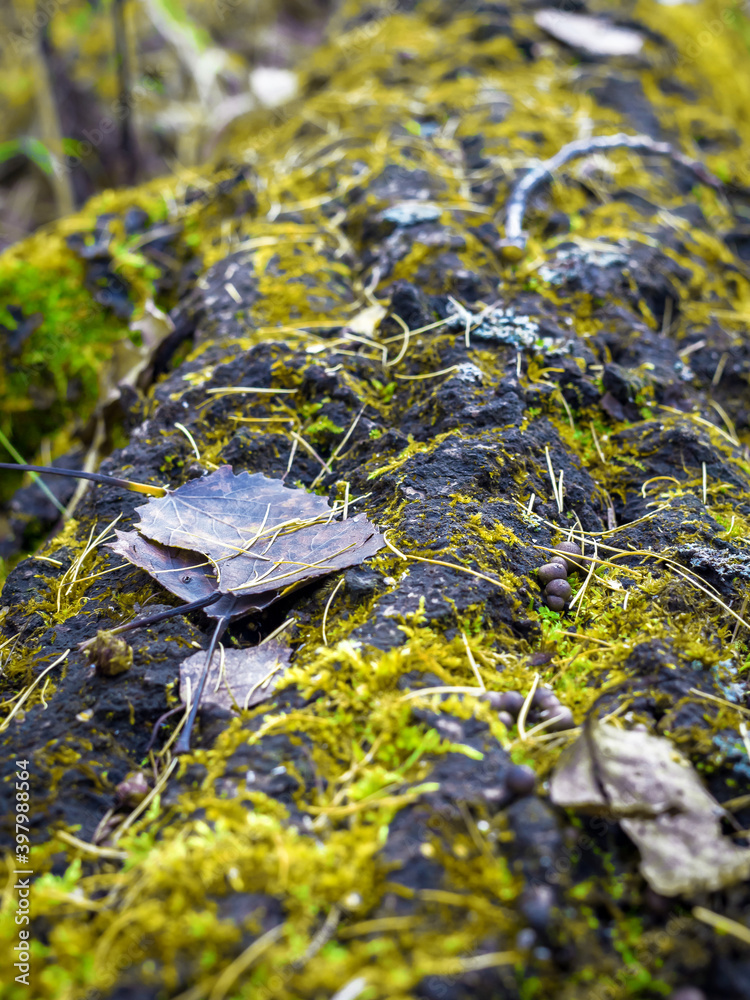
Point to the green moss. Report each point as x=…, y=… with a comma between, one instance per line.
x=364, y=740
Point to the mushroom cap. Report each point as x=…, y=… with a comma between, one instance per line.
x=563, y=719
x=555, y=603
x=548, y=703
x=555, y=570
x=558, y=588
x=568, y=549
x=520, y=779
x=541, y=694
x=511, y=701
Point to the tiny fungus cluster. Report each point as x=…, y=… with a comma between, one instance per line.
x=554, y=575
x=545, y=708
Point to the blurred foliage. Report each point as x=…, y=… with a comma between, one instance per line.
x=99, y=93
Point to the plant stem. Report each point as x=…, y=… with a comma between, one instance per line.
x=182, y=609
x=40, y=482
x=183, y=743
x=95, y=477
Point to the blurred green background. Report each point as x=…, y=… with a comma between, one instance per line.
x=95, y=94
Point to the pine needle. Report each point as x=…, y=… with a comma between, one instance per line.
x=442, y=562
x=328, y=604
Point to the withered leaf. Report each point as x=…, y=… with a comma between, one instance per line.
x=260, y=534
x=188, y=575
x=247, y=538
x=241, y=679
x=656, y=795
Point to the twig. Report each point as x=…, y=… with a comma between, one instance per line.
x=328, y=604
x=525, y=709
x=722, y=924
x=450, y=565
x=472, y=661
x=517, y=205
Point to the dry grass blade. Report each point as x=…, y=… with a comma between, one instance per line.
x=405, y=345
x=719, y=701
x=722, y=924
x=328, y=605
x=243, y=390
x=578, y=599
x=311, y=451
x=339, y=447
x=448, y=689
x=523, y=714
x=106, y=853
x=552, y=480
x=183, y=430
x=418, y=378
x=28, y=691
x=472, y=661
x=449, y=565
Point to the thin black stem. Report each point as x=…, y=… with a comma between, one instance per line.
x=159, y=722
x=95, y=477
x=183, y=741
x=161, y=616
x=128, y=147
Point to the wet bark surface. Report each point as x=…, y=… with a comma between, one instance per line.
x=480, y=410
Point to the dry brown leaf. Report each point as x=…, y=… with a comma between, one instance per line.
x=238, y=679
x=260, y=534
x=235, y=543
x=646, y=784
x=188, y=575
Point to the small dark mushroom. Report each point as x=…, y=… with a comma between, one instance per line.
x=549, y=706
x=541, y=694
x=563, y=719
x=493, y=699
x=521, y=779
x=555, y=570
x=555, y=603
x=536, y=906
x=511, y=702
x=557, y=589
x=569, y=550
x=506, y=718
x=133, y=789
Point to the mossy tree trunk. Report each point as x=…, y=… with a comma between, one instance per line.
x=353, y=836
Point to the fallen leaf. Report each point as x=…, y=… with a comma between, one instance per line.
x=259, y=534
x=235, y=543
x=240, y=678
x=592, y=34
x=185, y=574
x=654, y=792
x=130, y=363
